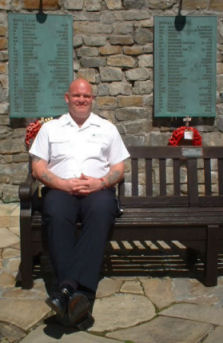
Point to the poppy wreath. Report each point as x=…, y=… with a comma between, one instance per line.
x=178, y=135
x=32, y=130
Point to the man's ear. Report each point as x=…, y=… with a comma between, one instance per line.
x=66, y=98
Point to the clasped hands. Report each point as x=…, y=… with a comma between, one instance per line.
x=83, y=185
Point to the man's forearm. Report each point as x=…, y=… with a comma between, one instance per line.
x=115, y=175
x=44, y=175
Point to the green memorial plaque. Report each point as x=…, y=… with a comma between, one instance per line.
x=40, y=64
x=185, y=67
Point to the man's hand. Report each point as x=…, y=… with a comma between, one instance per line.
x=90, y=185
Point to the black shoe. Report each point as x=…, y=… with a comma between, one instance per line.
x=58, y=302
x=78, y=308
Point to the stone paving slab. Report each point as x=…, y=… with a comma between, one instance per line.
x=55, y=333
x=164, y=330
x=9, y=215
x=215, y=336
x=7, y=238
x=10, y=333
x=200, y=313
x=23, y=313
x=120, y=311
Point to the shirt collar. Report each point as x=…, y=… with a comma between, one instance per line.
x=93, y=119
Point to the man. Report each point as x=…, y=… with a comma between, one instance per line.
x=79, y=158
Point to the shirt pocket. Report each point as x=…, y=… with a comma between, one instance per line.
x=60, y=147
x=96, y=148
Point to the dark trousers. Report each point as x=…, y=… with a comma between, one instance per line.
x=78, y=259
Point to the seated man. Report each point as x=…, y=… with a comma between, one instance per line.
x=79, y=158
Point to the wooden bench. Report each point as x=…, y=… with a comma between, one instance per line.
x=169, y=194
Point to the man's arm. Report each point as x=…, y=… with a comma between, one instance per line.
x=115, y=175
x=41, y=172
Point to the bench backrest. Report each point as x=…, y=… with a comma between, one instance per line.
x=173, y=176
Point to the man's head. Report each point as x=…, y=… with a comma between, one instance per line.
x=79, y=98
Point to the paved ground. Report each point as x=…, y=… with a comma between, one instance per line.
x=127, y=310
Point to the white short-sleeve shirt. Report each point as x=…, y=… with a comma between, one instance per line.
x=71, y=150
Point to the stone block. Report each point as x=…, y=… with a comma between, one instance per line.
x=10, y=193
x=121, y=40
x=94, y=40
x=134, y=100
x=4, y=107
x=84, y=16
x=195, y=4
x=134, y=14
x=3, y=43
x=148, y=48
x=114, y=4
x=137, y=127
x=120, y=88
x=110, y=49
x=103, y=89
x=91, y=28
x=77, y=41
x=73, y=5
x=3, y=68
x=92, y=5
x=145, y=23
x=143, y=87
x=220, y=68
x=133, y=50
x=87, y=52
x=110, y=74
x=138, y=74
x=143, y=36
x=162, y=4
x=12, y=146
x=5, y=4
x=3, y=56
x=92, y=62
x=132, y=4
x=106, y=102
x=135, y=140
x=3, y=30
x=121, y=61
x=130, y=113
x=145, y=60
x=34, y=4
x=123, y=28
x=216, y=5
x=107, y=17
x=89, y=74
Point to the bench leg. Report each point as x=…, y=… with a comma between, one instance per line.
x=26, y=266
x=211, y=259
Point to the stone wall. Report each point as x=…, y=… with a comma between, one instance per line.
x=113, y=49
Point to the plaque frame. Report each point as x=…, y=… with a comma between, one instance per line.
x=185, y=67
x=40, y=64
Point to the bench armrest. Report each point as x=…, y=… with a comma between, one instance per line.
x=27, y=190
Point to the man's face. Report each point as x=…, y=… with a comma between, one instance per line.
x=79, y=99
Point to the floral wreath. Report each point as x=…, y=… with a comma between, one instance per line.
x=33, y=128
x=178, y=135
